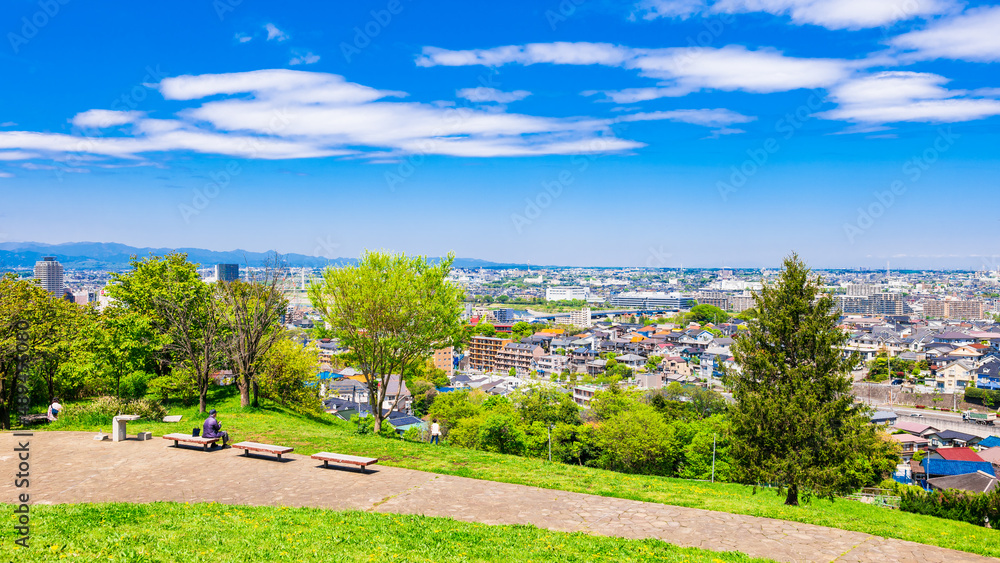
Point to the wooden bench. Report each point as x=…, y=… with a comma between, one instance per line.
x=248, y=447
x=327, y=457
x=189, y=439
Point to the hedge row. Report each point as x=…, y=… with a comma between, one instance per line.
x=953, y=505
x=980, y=396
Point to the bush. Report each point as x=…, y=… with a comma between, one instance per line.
x=134, y=385
x=952, y=504
x=100, y=411
x=985, y=397
x=414, y=434
x=502, y=433
x=365, y=425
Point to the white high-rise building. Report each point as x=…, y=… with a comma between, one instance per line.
x=581, y=318
x=566, y=293
x=49, y=274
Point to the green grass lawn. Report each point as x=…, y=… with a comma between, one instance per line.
x=309, y=435
x=134, y=533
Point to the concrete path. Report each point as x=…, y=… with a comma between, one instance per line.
x=70, y=467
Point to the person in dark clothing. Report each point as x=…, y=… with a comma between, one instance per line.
x=213, y=429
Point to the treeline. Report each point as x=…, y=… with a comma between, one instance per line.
x=667, y=433
x=164, y=334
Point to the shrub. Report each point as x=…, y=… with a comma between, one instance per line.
x=952, y=504
x=365, y=425
x=414, y=434
x=134, y=385
x=502, y=433
x=100, y=411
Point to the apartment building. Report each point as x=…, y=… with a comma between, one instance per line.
x=483, y=351
x=522, y=357
x=552, y=363
x=49, y=274
x=581, y=318
x=876, y=304
x=582, y=394
x=951, y=308
x=444, y=360
x=653, y=300
x=566, y=293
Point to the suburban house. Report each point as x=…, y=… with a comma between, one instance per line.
x=910, y=444
x=956, y=375
x=978, y=482
x=915, y=428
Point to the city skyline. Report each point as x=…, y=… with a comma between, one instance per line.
x=655, y=133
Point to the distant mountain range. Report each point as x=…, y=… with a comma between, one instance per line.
x=112, y=256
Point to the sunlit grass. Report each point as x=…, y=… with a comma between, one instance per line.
x=121, y=532
x=273, y=424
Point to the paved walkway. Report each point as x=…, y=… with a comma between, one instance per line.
x=70, y=467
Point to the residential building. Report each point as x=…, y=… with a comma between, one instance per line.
x=483, y=351
x=653, y=300
x=49, y=274
x=523, y=358
x=567, y=293
x=552, y=363
x=862, y=289
x=956, y=375
x=503, y=316
x=581, y=318
x=444, y=360
x=582, y=394
x=951, y=308
x=227, y=272
x=876, y=304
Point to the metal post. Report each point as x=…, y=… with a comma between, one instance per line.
x=713, y=458
x=550, y=443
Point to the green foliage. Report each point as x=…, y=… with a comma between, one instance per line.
x=390, y=310
x=414, y=434
x=100, y=411
x=953, y=504
x=795, y=422
x=178, y=383
x=365, y=425
x=546, y=405
x=501, y=433
x=985, y=397
x=636, y=440
x=707, y=314
x=135, y=385
x=288, y=375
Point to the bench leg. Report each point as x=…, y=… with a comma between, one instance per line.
x=279, y=457
x=326, y=464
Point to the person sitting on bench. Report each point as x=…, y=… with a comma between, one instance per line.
x=213, y=429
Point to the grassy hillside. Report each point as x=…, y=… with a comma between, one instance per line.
x=272, y=424
x=132, y=533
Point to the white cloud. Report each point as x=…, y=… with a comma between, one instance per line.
x=102, y=118
x=274, y=33
x=972, y=36
x=683, y=9
x=17, y=155
x=8, y=124
x=895, y=97
x=304, y=59
x=484, y=94
x=6, y=175
x=832, y=14
x=718, y=119
x=282, y=114
x=243, y=37
x=681, y=70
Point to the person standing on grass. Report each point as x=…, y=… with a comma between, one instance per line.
x=213, y=429
x=435, y=431
x=54, y=409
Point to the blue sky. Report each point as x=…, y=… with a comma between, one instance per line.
x=657, y=133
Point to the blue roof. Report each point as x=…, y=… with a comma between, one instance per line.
x=946, y=467
x=987, y=384
x=883, y=415
x=328, y=375
x=990, y=442
x=955, y=435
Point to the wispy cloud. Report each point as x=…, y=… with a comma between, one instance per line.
x=972, y=36
x=484, y=94
x=274, y=33
x=831, y=14
x=287, y=114
x=680, y=70
x=243, y=37
x=306, y=58
x=895, y=97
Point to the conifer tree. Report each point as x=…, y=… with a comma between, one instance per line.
x=795, y=422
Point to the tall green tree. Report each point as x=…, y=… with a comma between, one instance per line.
x=391, y=310
x=794, y=421
x=23, y=324
x=251, y=311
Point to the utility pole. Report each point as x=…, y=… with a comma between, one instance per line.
x=550, y=446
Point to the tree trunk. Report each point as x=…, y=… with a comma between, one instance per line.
x=256, y=391
x=201, y=403
x=244, y=392
x=793, y=496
